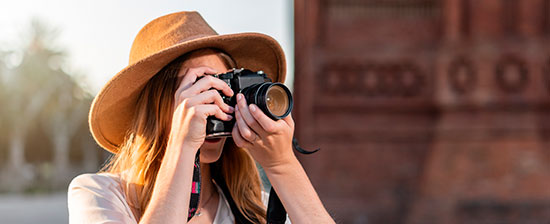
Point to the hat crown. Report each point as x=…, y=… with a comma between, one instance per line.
x=167, y=31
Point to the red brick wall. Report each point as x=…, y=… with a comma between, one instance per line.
x=426, y=111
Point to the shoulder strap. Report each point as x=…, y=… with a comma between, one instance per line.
x=276, y=212
x=195, y=189
x=239, y=217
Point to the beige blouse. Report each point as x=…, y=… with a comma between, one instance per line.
x=99, y=198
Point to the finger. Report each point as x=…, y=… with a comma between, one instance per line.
x=238, y=139
x=209, y=82
x=208, y=97
x=289, y=120
x=248, y=118
x=244, y=130
x=268, y=124
x=206, y=110
x=190, y=75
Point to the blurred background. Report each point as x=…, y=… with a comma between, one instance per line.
x=426, y=111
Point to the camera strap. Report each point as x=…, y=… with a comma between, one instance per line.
x=195, y=188
x=276, y=212
x=220, y=181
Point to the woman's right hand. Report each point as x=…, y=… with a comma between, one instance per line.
x=194, y=102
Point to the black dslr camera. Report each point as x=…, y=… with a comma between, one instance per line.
x=274, y=99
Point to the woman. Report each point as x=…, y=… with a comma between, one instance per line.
x=152, y=116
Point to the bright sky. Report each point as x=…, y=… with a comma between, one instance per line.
x=98, y=34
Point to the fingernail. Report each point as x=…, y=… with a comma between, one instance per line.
x=229, y=117
x=240, y=96
x=231, y=109
x=252, y=107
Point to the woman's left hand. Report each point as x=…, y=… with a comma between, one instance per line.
x=268, y=141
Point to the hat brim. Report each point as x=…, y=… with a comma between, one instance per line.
x=113, y=108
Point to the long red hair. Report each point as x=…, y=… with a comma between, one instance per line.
x=139, y=158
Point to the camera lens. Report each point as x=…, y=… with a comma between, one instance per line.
x=274, y=99
x=277, y=101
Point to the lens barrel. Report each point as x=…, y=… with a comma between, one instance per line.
x=274, y=99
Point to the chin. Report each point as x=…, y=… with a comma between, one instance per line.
x=211, y=151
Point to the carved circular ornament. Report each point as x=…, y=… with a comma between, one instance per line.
x=411, y=81
x=511, y=75
x=373, y=79
x=462, y=76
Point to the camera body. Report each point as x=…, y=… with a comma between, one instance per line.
x=274, y=99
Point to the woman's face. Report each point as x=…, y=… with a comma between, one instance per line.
x=211, y=150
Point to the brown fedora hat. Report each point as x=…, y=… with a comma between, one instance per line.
x=156, y=45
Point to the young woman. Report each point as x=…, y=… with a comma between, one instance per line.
x=152, y=115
